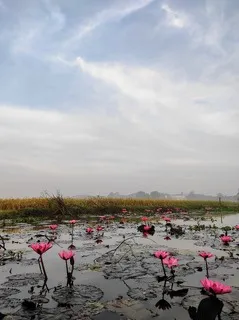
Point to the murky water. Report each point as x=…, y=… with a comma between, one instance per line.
x=115, y=284
x=227, y=220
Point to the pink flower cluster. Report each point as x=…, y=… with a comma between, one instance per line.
x=90, y=230
x=42, y=247
x=166, y=259
x=209, y=285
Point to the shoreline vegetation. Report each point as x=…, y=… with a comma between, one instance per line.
x=57, y=207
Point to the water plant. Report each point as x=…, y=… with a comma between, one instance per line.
x=215, y=287
x=68, y=256
x=146, y=230
x=72, y=224
x=226, y=240
x=53, y=228
x=162, y=255
x=205, y=256
x=89, y=230
x=99, y=228
x=171, y=263
x=40, y=248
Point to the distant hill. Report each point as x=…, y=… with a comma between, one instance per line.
x=161, y=195
x=82, y=196
x=140, y=195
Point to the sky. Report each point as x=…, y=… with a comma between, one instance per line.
x=119, y=95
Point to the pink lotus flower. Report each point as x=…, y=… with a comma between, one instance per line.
x=66, y=255
x=89, y=230
x=205, y=255
x=216, y=287
x=53, y=226
x=99, y=228
x=170, y=262
x=124, y=210
x=147, y=228
x=111, y=217
x=237, y=227
x=166, y=219
x=72, y=221
x=144, y=219
x=145, y=234
x=226, y=239
x=41, y=247
x=161, y=254
x=102, y=217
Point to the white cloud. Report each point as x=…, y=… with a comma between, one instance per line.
x=157, y=93
x=156, y=107
x=114, y=13
x=174, y=18
x=208, y=27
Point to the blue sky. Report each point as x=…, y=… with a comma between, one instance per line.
x=119, y=95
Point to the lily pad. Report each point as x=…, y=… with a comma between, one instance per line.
x=6, y=292
x=21, y=280
x=10, y=303
x=77, y=295
x=139, y=294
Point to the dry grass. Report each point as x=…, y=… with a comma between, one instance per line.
x=43, y=203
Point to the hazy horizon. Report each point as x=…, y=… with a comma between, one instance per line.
x=119, y=96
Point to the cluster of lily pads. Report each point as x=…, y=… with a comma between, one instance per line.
x=67, y=255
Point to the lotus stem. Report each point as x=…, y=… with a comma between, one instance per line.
x=72, y=233
x=163, y=267
x=207, y=275
x=39, y=263
x=164, y=286
x=43, y=268
x=67, y=273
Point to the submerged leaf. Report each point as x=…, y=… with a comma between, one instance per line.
x=178, y=293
